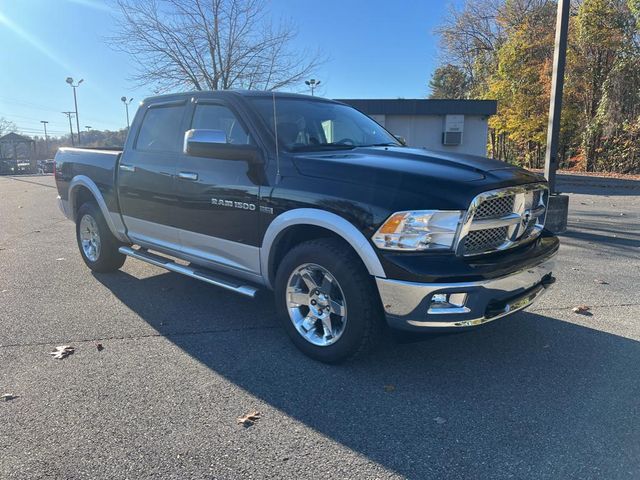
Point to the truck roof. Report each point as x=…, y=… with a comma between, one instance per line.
x=229, y=93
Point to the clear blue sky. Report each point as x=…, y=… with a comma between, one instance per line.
x=377, y=49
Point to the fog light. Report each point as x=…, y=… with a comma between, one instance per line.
x=439, y=298
x=448, y=303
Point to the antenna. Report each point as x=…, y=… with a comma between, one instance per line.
x=275, y=130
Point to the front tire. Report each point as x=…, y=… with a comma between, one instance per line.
x=327, y=301
x=98, y=246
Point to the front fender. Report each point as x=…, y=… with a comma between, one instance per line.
x=319, y=218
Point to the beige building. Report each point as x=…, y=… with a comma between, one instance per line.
x=450, y=125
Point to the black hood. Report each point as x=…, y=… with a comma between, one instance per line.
x=416, y=172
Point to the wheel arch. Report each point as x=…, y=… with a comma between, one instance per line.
x=82, y=187
x=329, y=224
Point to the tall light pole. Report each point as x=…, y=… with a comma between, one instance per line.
x=69, y=115
x=126, y=107
x=75, y=101
x=46, y=137
x=558, y=205
x=312, y=84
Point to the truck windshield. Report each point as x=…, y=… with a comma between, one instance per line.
x=309, y=125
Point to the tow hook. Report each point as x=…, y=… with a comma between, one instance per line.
x=548, y=280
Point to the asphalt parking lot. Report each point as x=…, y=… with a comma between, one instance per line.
x=546, y=393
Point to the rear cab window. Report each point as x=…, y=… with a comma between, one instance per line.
x=160, y=130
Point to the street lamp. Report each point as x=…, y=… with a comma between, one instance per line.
x=46, y=137
x=126, y=107
x=313, y=83
x=75, y=101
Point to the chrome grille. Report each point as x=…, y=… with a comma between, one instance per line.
x=481, y=240
x=495, y=207
x=502, y=219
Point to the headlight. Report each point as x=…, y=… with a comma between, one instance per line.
x=419, y=230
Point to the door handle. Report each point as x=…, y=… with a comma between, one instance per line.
x=188, y=175
x=127, y=168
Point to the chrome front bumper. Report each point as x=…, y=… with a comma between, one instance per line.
x=408, y=306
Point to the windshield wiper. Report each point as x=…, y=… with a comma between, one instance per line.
x=388, y=144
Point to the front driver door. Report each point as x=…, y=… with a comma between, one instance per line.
x=218, y=198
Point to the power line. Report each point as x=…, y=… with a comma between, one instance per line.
x=94, y=120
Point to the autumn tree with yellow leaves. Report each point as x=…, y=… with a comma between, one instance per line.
x=504, y=48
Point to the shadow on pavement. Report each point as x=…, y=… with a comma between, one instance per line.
x=528, y=397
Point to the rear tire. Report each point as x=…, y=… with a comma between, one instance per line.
x=327, y=301
x=98, y=246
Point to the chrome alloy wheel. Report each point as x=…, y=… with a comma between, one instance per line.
x=316, y=304
x=90, y=238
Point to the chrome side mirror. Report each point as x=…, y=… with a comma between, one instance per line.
x=213, y=144
x=195, y=140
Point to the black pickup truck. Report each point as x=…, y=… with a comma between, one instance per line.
x=311, y=198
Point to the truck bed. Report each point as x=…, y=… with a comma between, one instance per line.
x=98, y=164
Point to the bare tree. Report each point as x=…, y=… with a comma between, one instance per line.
x=210, y=45
x=6, y=126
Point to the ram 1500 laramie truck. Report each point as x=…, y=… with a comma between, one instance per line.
x=316, y=201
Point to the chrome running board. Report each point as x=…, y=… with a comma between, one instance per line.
x=205, y=275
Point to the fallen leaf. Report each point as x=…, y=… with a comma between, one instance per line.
x=581, y=309
x=249, y=419
x=62, y=351
x=8, y=396
x=439, y=420
x=601, y=282
x=389, y=388
x=99, y=347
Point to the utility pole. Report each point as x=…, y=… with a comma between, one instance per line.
x=313, y=84
x=46, y=138
x=75, y=101
x=69, y=115
x=558, y=205
x=126, y=107
x=557, y=84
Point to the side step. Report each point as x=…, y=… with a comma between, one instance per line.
x=208, y=276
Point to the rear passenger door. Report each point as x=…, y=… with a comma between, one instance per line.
x=218, y=208
x=146, y=176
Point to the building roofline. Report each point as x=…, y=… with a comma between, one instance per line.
x=420, y=106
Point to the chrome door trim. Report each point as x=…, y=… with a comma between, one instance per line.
x=211, y=252
x=220, y=251
x=188, y=176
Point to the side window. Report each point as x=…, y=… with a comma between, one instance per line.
x=160, y=129
x=219, y=117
